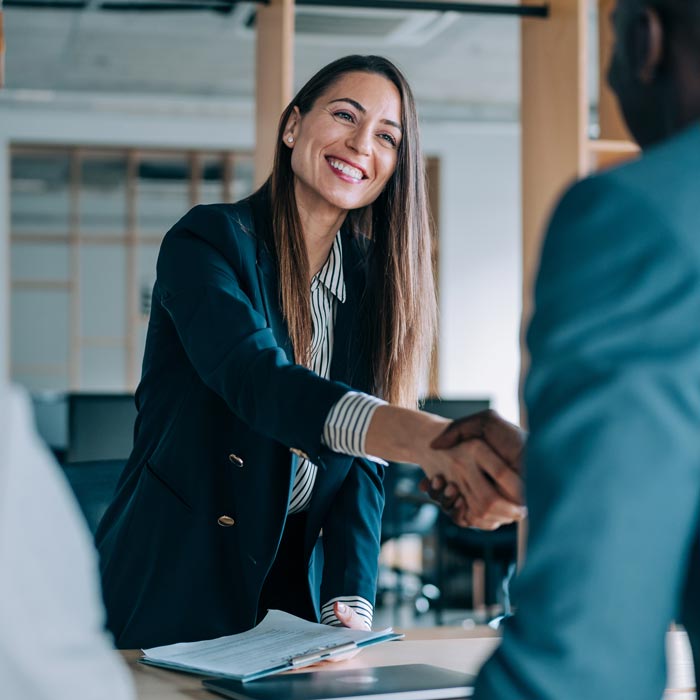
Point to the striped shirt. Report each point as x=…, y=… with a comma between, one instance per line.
x=346, y=425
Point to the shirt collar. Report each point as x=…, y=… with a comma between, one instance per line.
x=331, y=274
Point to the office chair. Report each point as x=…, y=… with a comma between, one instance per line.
x=407, y=511
x=51, y=419
x=94, y=484
x=495, y=551
x=100, y=426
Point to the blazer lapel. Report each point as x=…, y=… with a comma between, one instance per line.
x=267, y=269
x=269, y=287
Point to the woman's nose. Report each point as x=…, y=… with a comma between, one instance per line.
x=360, y=141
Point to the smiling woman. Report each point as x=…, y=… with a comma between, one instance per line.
x=348, y=144
x=275, y=324
x=351, y=139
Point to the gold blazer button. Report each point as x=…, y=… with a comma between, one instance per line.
x=235, y=459
x=226, y=521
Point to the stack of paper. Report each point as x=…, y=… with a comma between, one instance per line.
x=279, y=643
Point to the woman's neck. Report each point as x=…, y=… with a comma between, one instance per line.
x=320, y=223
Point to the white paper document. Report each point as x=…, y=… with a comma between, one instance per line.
x=280, y=642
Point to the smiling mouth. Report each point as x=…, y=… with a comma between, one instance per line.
x=343, y=168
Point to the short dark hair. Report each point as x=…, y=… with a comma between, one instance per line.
x=681, y=18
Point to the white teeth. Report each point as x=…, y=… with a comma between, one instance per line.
x=346, y=169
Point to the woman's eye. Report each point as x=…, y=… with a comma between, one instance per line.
x=388, y=138
x=346, y=116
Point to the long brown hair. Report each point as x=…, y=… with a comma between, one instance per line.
x=400, y=318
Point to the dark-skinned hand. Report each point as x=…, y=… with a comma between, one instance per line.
x=493, y=493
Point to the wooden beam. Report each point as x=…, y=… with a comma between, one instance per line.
x=554, y=140
x=553, y=116
x=604, y=154
x=554, y=107
x=612, y=126
x=274, y=70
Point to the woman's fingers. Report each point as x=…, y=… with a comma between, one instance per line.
x=490, y=490
x=472, y=482
x=348, y=617
x=486, y=507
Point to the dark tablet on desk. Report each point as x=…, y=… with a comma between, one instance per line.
x=408, y=682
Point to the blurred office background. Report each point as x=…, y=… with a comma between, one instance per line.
x=113, y=122
x=116, y=117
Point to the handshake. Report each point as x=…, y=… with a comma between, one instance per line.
x=473, y=465
x=483, y=488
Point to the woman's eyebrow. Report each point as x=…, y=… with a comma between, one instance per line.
x=360, y=108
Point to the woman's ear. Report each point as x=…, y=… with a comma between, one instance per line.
x=291, y=128
x=648, y=45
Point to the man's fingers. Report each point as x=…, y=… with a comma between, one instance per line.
x=507, y=481
x=438, y=484
x=434, y=487
x=446, y=496
x=459, y=504
x=458, y=431
x=504, y=438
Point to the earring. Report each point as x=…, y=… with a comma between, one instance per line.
x=290, y=139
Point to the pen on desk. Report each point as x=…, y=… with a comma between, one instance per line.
x=305, y=659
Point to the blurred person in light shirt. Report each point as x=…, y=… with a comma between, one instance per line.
x=53, y=642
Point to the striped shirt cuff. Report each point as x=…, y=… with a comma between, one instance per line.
x=345, y=429
x=361, y=606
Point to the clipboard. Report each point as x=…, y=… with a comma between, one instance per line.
x=281, y=642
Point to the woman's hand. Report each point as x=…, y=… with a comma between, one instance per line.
x=502, y=469
x=481, y=488
x=479, y=455
x=348, y=617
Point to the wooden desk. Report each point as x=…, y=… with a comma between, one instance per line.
x=450, y=647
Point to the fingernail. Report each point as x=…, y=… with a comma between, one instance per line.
x=435, y=483
x=523, y=512
x=450, y=491
x=342, y=607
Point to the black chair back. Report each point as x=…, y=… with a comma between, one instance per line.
x=94, y=484
x=100, y=426
x=407, y=511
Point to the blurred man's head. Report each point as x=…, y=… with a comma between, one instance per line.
x=655, y=68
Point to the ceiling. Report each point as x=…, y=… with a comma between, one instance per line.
x=458, y=64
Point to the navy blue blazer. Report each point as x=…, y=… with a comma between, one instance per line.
x=220, y=405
